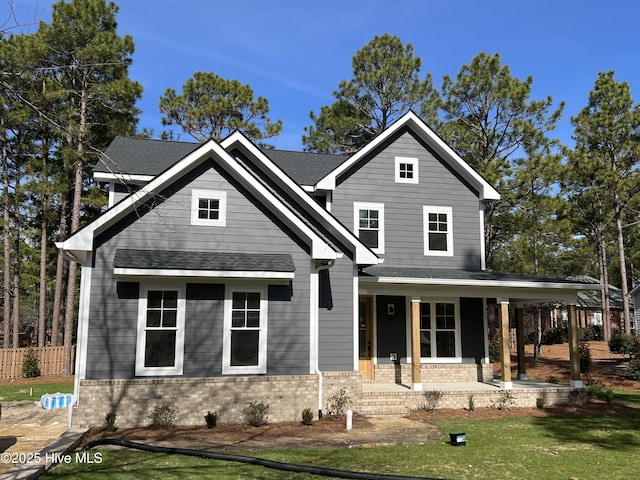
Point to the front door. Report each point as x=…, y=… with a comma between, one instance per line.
x=365, y=337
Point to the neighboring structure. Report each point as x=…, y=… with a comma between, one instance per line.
x=223, y=274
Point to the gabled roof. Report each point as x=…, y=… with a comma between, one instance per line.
x=363, y=255
x=80, y=244
x=411, y=121
x=141, y=160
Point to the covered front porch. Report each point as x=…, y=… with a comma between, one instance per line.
x=438, y=305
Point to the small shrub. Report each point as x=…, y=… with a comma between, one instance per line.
x=540, y=403
x=110, y=418
x=555, y=335
x=212, y=419
x=585, y=357
x=30, y=368
x=163, y=416
x=552, y=379
x=256, y=414
x=634, y=368
x=577, y=397
x=339, y=403
x=431, y=400
x=505, y=400
x=586, y=334
x=625, y=344
x=307, y=417
x=472, y=403
x=494, y=348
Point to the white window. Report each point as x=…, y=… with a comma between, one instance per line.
x=245, y=332
x=208, y=207
x=369, y=224
x=160, y=343
x=438, y=231
x=439, y=330
x=406, y=170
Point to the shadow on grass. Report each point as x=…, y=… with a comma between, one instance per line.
x=620, y=432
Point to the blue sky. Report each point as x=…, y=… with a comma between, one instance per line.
x=295, y=52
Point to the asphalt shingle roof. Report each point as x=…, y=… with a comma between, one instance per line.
x=183, y=260
x=142, y=156
x=444, y=273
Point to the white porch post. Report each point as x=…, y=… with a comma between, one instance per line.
x=505, y=354
x=574, y=357
x=416, y=380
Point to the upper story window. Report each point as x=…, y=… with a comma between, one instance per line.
x=160, y=341
x=406, y=170
x=369, y=224
x=208, y=207
x=438, y=231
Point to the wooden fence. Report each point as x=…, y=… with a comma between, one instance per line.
x=50, y=361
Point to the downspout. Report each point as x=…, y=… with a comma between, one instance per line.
x=315, y=312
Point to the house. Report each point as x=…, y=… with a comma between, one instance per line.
x=223, y=274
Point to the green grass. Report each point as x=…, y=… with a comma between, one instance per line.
x=508, y=448
x=13, y=393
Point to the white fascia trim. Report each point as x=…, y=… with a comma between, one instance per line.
x=480, y=283
x=83, y=239
x=122, y=177
x=154, y=272
x=486, y=191
x=363, y=254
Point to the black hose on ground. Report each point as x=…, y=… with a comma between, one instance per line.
x=289, y=467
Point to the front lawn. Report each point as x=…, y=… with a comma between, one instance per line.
x=33, y=391
x=506, y=448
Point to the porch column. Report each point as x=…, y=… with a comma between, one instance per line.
x=574, y=357
x=416, y=380
x=505, y=354
x=522, y=364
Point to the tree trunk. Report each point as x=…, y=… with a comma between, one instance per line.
x=623, y=266
x=604, y=280
x=6, y=235
x=15, y=316
x=42, y=298
x=75, y=224
x=61, y=276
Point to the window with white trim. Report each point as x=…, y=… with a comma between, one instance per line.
x=406, y=170
x=245, y=332
x=208, y=207
x=160, y=343
x=369, y=224
x=439, y=330
x=438, y=231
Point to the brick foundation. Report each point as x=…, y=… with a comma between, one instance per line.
x=435, y=373
x=134, y=400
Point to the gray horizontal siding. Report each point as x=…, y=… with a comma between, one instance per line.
x=249, y=228
x=403, y=205
x=335, y=329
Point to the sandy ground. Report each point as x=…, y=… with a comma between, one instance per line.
x=25, y=429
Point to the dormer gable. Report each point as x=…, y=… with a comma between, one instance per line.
x=412, y=123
